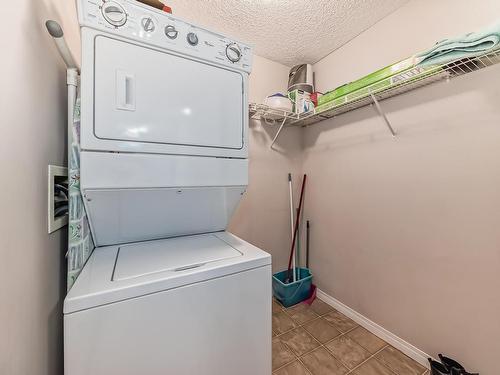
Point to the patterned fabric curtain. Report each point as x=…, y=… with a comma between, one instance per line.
x=80, y=244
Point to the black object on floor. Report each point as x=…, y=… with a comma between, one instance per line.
x=448, y=366
x=453, y=366
x=438, y=368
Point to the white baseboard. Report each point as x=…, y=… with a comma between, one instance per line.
x=389, y=337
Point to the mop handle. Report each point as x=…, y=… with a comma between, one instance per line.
x=307, y=244
x=296, y=225
x=291, y=219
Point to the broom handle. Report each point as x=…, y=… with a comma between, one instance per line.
x=296, y=225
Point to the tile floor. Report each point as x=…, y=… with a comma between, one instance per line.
x=319, y=340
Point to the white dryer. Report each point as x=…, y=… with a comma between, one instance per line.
x=164, y=163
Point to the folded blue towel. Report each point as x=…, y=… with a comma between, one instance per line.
x=468, y=45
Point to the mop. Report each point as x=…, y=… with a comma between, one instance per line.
x=291, y=222
x=297, y=247
x=290, y=277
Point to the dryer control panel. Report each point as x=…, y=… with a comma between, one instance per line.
x=157, y=28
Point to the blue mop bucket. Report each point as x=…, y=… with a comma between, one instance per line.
x=294, y=292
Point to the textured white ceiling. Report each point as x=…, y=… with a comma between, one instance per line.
x=288, y=31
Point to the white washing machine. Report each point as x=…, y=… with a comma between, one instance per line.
x=182, y=306
x=164, y=163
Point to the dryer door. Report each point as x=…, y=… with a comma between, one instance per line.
x=148, y=100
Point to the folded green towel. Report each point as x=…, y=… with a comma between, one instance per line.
x=468, y=45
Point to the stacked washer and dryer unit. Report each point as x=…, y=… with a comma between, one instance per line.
x=164, y=163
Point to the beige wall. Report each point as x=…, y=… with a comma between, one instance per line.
x=263, y=217
x=406, y=230
x=32, y=112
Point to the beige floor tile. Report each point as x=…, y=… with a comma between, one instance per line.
x=372, y=367
x=348, y=351
x=340, y=321
x=320, y=307
x=367, y=339
x=347, y=345
x=277, y=307
x=294, y=368
x=399, y=363
x=299, y=341
x=282, y=323
x=322, y=330
x=321, y=362
x=301, y=313
x=281, y=354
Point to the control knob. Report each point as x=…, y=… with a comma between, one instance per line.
x=114, y=13
x=148, y=24
x=233, y=52
x=171, y=32
x=192, y=39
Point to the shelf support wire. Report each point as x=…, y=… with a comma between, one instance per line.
x=382, y=114
x=278, y=133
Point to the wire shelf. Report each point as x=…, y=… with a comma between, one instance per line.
x=270, y=114
x=408, y=80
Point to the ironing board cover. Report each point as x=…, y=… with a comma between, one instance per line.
x=80, y=243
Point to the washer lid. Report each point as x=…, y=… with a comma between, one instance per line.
x=175, y=254
x=114, y=274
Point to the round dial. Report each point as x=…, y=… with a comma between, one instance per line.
x=233, y=52
x=192, y=39
x=171, y=32
x=148, y=24
x=114, y=13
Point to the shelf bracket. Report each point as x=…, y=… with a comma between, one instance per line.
x=278, y=133
x=382, y=114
